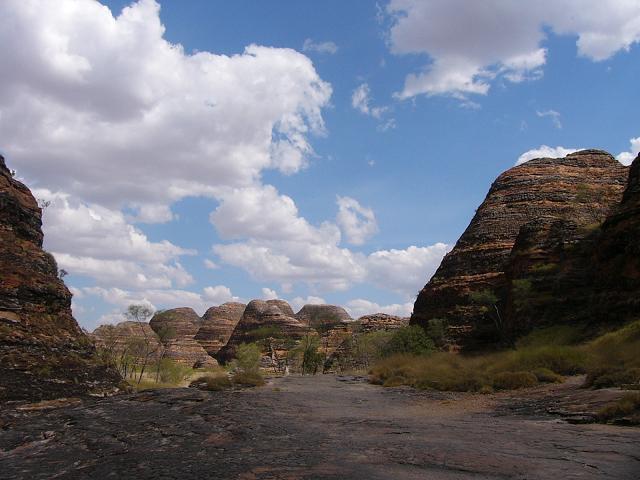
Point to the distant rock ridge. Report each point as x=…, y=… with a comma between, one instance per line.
x=530, y=215
x=117, y=336
x=322, y=315
x=184, y=323
x=218, y=324
x=271, y=319
x=43, y=352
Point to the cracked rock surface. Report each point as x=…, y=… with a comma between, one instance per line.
x=323, y=427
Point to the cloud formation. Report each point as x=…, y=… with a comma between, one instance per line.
x=626, y=158
x=319, y=47
x=544, y=151
x=361, y=101
x=553, y=115
x=140, y=122
x=360, y=307
x=357, y=222
x=471, y=44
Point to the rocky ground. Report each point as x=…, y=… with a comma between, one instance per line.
x=323, y=427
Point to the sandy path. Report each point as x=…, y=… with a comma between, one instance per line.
x=321, y=427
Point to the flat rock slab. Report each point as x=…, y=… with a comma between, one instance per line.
x=322, y=427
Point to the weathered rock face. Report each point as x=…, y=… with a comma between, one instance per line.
x=548, y=202
x=117, y=336
x=184, y=324
x=560, y=272
x=340, y=341
x=381, y=321
x=270, y=320
x=320, y=316
x=43, y=352
x=218, y=324
x=617, y=256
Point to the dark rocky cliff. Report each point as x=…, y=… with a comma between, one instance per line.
x=43, y=352
x=536, y=216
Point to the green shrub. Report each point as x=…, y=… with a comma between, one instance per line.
x=544, y=268
x=246, y=366
x=310, y=358
x=437, y=331
x=248, y=357
x=261, y=333
x=514, y=380
x=411, y=340
x=172, y=372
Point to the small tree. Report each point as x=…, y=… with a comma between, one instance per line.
x=488, y=302
x=246, y=366
x=311, y=358
x=166, y=335
x=437, y=331
x=106, y=350
x=248, y=358
x=141, y=315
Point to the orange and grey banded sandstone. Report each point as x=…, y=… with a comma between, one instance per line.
x=183, y=324
x=218, y=324
x=564, y=196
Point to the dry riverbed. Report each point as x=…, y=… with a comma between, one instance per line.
x=322, y=427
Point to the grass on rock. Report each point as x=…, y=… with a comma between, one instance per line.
x=544, y=356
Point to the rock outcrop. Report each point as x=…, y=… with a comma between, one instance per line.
x=322, y=316
x=182, y=325
x=270, y=322
x=218, y=324
x=543, y=208
x=116, y=337
x=380, y=322
x=43, y=352
x=616, y=256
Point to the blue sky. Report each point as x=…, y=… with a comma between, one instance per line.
x=341, y=162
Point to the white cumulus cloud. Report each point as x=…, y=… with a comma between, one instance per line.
x=626, y=158
x=544, y=151
x=357, y=222
x=359, y=307
x=470, y=44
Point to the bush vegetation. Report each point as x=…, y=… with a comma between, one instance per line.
x=213, y=382
x=627, y=407
x=246, y=366
x=411, y=340
x=544, y=356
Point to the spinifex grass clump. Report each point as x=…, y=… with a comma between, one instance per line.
x=628, y=407
x=614, y=358
x=542, y=357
